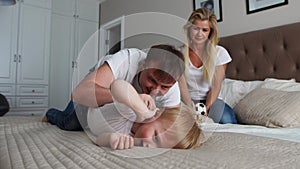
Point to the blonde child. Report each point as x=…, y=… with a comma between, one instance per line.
x=133, y=119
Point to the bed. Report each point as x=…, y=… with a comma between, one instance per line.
x=264, y=62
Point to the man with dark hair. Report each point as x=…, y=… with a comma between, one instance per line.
x=153, y=75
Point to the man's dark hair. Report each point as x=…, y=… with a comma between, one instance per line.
x=169, y=61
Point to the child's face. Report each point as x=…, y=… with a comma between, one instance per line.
x=155, y=134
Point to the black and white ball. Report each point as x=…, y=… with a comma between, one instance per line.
x=200, y=108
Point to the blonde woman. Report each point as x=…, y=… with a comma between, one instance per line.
x=206, y=64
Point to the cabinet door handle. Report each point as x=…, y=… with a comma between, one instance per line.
x=74, y=64
x=15, y=58
x=20, y=57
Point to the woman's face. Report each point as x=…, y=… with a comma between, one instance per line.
x=155, y=134
x=199, y=31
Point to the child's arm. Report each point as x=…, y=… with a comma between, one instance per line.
x=123, y=92
x=115, y=141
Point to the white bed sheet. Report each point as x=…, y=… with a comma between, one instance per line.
x=290, y=134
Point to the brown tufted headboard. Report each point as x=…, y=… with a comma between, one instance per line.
x=272, y=52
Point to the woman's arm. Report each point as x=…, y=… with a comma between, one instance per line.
x=186, y=98
x=216, y=86
x=143, y=105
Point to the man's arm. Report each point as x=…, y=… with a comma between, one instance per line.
x=93, y=91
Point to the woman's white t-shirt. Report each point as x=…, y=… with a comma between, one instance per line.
x=197, y=86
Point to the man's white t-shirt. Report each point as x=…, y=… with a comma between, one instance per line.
x=197, y=86
x=125, y=65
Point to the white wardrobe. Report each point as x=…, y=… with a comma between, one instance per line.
x=24, y=54
x=73, y=33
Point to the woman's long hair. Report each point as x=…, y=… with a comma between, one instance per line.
x=209, y=54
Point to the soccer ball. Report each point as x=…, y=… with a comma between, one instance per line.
x=200, y=108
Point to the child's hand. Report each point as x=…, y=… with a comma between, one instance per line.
x=120, y=141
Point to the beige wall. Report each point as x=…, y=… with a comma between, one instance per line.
x=111, y=9
x=235, y=19
x=148, y=22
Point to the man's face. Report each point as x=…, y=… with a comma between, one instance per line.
x=151, y=84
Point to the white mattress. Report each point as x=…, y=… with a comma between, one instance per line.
x=25, y=142
x=290, y=134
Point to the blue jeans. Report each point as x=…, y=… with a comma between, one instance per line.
x=66, y=119
x=221, y=112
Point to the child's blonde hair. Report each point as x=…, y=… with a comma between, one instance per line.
x=209, y=55
x=184, y=126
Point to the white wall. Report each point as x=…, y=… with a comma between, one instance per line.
x=235, y=19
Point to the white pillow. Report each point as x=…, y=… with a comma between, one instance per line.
x=279, y=80
x=270, y=108
x=284, y=85
x=233, y=91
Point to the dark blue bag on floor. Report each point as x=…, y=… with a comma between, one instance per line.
x=4, y=106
